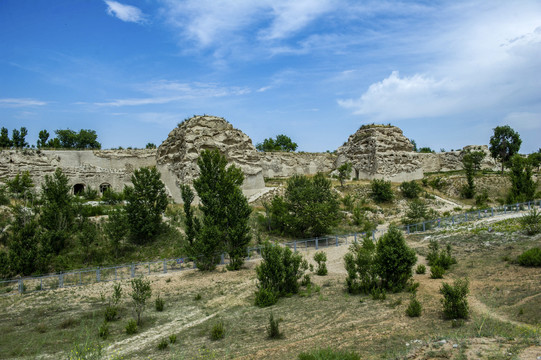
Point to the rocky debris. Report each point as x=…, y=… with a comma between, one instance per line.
x=380, y=152
x=180, y=151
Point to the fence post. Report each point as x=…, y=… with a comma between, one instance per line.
x=132, y=270
x=317, y=243
x=373, y=235
x=492, y=211
x=336, y=240
x=408, y=227
x=505, y=209
x=295, y=245
x=222, y=259
x=528, y=205
x=517, y=207
x=466, y=216
x=355, y=236
x=98, y=274
x=248, y=253
x=326, y=242
x=479, y=214
x=164, y=266
x=61, y=280
x=424, y=227
x=21, y=286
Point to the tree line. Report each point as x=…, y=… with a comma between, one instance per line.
x=65, y=139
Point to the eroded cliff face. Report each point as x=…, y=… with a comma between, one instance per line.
x=452, y=160
x=180, y=151
x=380, y=152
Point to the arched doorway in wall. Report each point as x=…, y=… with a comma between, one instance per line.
x=78, y=189
x=104, y=187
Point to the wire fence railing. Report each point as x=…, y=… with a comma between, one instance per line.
x=128, y=271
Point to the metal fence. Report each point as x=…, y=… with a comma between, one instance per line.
x=127, y=271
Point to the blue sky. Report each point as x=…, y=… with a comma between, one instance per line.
x=446, y=72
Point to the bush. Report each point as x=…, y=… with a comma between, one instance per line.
x=88, y=351
x=531, y=257
x=163, y=344
x=441, y=258
x=378, y=294
x=531, y=222
x=103, y=330
x=421, y=269
x=141, y=291
x=394, y=260
x=481, y=199
x=218, y=331
x=414, y=308
x=436, y=272
x=360, y=266
x=265, y=297
x=410, y=189
x=328, y=354
x=273, y=330
x=320, y=257
x=381, y=190
x=159, y=304
x=111, y=313
x=455, y=303
x=172, y=338
x=437, y=183
x=131, y=327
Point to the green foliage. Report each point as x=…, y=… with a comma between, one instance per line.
x=192, y=223
x=437, y=183
x=5, y=141
x=131, y=327
x=146, y=202
x=378, y=294
x=426, y=150
x=482, y=198
x=531, y=222
x=394, y=260
x=90, y=193
x=531, y=257
x=455, y=302
x=320, y=258
x=18, y=138
x=111, y=313
x=328, y=354
x=421, y=269
x=23, y=240
x=173, y=338
x=159, y=304
x=103, y=330
x=218, y=331
x=535, y=159
x=278, y=273
x=468, y=191
x=361, y=268
x=414, y=308
x=410, y=189
x=437, y=272
x=281, y=143
x=150, y=146
x=112, y=197
x=225, y=212
x=273, y=330
x=42, y=138
x=361, y=219
x=141, y=292
x=308, y=208
x=86, y=351
x=116, y=228
x=443, y=258
x=381, y=190
x=522, y=185
x=504, y=144
x=163, y=344
x=348, y=201
x=344, y=171
x=21, y=185
x=85, y=139
x=417, y=212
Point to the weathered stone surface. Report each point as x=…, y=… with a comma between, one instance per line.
x=380, y=152
x=180, y=151
x=452, y=160
x=284, y=165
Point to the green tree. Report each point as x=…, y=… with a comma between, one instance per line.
x=115, y=229
x=343, y=172
x=146, y=201
x=468, y=190
x=67, y=138
x=394, y=260
x=87, y=139
x=23, y=243
x=522, y=184
x=308, y=208
x=535, y=159
x=5, y=141
x=191, y=222
x=281, y=143
x=141, y=292
x=43, y=136
x=57, y=213
x=21, y=185
x=381, y=190
x=504, y=144
x=410, y=189
x=18, y=138
x=225, y=211
x=150, y=146
x=426, y=150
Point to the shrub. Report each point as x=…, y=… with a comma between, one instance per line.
x=218, y=331
x=163, y=344
x=265, y=297
x=328, y=354
x=360, y=219
x=441, y=258
x=436, y=272
x=173, y=338
x=320, y=257
x=455, y=302
x=437, y=183
x=381, y=190
x=111, y=313
x=360, y=266
x=410, y=189
x=414, y=308
x=531, y=257
x=306, y=280
x=141, y=291
x=159, y=304
x=421, y=269
x=378, y=294
x=103, y=330
x=531, y=222
x=86, y=351
x=394, y=260
x=131, y=327
x=482, y=198
x=273, y=330
x=197, y=297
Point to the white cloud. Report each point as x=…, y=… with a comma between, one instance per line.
x=12, y=102
x=126, y=13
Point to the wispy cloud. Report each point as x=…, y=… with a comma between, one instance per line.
x=166, y=91
x=12, y=102
x=127, y=13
